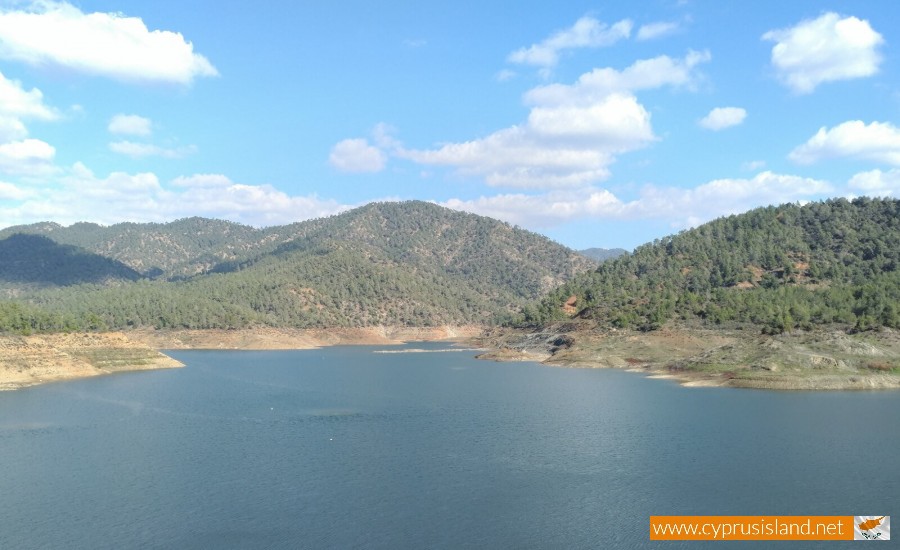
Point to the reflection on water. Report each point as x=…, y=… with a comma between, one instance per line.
x=346, y=448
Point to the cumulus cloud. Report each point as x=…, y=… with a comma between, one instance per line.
x=80, y=195
x=504, y=75
x=11, y=129
x=18, y=155
x=878, y=141
x=543, y=210
x=132, y=125
x=563, y=146
x=16, y=101
x=357, y=156
x=659, y=29
x=587, y=32
x=573, y=133
x=205, y=181
x=723, y=197
x=877, y=183
x=142, y=150
x=824, y=49
x=644, y=74
x=259, y=205
x=9, y=191
x=105, y=44
x=680, y=207
x=27, y=157
x=723, y=117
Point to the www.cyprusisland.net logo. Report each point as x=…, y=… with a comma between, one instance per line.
x=872, y=527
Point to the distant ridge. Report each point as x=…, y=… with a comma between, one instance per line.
x=603, y=254
x=34, y=261
x=411, y=263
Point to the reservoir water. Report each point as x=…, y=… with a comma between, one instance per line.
x=347, y=447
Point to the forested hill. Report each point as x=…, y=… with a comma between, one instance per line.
x=776, y=268
x=160, y=250
x=410, y=263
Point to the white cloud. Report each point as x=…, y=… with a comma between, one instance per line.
x=878, y=141
x=257, y=205
x=505, y=75
x=680, y=207
x=564, y=146
x=753, y=165
x=19, y=155
x=105, y=44
x=132, y=125
x=573, y=133
x=28, y=157
x=383, y=136
x=8, y=191
x=357, y=155
x=26, y=149
x=543, y=210
x=15, y=101
x=687, y=207
x=11, y=129
x=877, y=183
x=82, y=196
x=659, y=29
x=723, y=117
x=644, y=74
x=205, y=181
x=141, y=150
x=587, y=32
x=825, y=49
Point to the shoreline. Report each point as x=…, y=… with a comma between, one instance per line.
x=297, y=339
x=825, y=382
x=39, y=359
x=44, y=358
x=815, y=361
x=691, y=358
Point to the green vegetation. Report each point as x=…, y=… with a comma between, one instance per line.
x=412, y=263
x=833, y=263
x=771, y=270
x=33, y=261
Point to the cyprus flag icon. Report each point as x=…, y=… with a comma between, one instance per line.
x=871, y=527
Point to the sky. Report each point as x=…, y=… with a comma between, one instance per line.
x=598, y=124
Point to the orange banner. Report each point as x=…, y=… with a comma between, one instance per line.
x=751, y=527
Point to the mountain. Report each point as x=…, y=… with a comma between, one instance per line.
x=833, y=263
x=410, y=263
x=603, y=254
x=33, y=260
x=181, y=248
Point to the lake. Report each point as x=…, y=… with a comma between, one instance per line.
x=347, y=447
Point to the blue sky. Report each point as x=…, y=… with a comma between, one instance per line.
x=597, y=124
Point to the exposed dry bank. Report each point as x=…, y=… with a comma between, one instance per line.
x=284, y=338
x=30, y=360
x=799, y=361
x=821, y=360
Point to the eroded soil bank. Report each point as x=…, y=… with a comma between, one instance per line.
x=825, y=360
x=30, y=360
